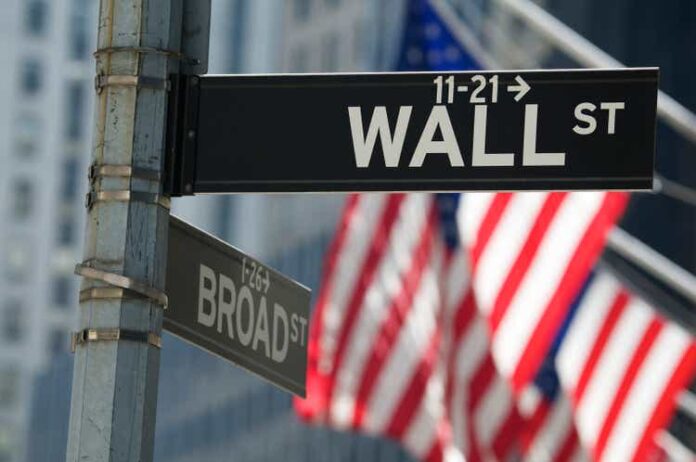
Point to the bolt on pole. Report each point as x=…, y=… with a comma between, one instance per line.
x=114, y=394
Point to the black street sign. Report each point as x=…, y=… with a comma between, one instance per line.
x=511, y=130
x=236, y=307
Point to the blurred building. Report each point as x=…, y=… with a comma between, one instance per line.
x=208, y=410
x=45, y=89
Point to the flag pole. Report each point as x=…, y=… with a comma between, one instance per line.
x=581, y=49
x=586, y=53
x=653, y=262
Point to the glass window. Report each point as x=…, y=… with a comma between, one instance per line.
x=17, y=260
x=74, y=107
x=358, y=41
x=23, y=198
x=302, y=9
x=79, y=30
x=8, y=436
x=36, y=16
x=31, y=77
x=13, y=325
x=9, y=386
x=299, y=60
x=27, y=135
x=66, y=231
x=57, y=341
x=329, y=56
x=62, y=291
x=70, y=179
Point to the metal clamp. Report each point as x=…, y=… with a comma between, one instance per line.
x=137, y=81
x=111, y=335
x=120, y=282
x=126, y=195
x=122, y=171
x=146, y=50
x=107, y=293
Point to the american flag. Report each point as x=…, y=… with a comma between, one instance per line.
x=440, y=320
x=623, y=365
x=530, y=254
x=397, y=347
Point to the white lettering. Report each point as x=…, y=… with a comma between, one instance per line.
x=261, y=332
x=439, y=117
x=205, y=294
x=612, y=108
x=303, y=322
x=364, y=146
x=226, y=306
x=245, y=335
x=529, y=155
x=480, y=158
x=279, y=314
x=582, y=116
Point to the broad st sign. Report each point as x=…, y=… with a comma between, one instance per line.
x=235, y=307
x=512, y=130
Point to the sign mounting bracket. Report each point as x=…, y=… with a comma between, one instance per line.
x=181, y=135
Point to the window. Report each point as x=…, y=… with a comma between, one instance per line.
x=8, y=437
x=27, y=135
x=62, y=291
x=23, y=199
x=66, y=231
x=57, y=341
x=13, y=325
x=79, y=30
x=17, y=260
x=329, y=55
x=299, y=60
x=302, y=9
x=333, y=3
x=358, y=41
x=36, y=16
x=70, y=179
x=31, y=77
x=74, y=107
x=9, y=387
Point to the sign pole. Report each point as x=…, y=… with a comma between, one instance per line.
x=114, y=393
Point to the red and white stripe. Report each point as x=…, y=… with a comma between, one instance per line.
x=375, y=341
x=485, y=423
x=386, y=357
x=549, y=433
x=622, y=365
x=530, y=253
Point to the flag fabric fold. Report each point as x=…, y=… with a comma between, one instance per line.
x=467, y=327
x=397, y=347
x=622, y=365
x=530, y=254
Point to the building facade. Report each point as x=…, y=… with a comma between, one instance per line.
x=209, y=410
x=45, y=89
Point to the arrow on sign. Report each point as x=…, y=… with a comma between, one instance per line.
x=521, y=89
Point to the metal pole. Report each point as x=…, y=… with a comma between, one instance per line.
x=114, y=393
x=586, y=53
x=653, y=262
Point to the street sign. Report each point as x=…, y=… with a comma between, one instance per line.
x=236, y=307
x=511, y=130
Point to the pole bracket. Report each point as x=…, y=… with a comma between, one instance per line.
x=126, y=195
x=137, y=81
x=117, y=281
x=111, y=335
x=146, y=50
x=122, y=171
